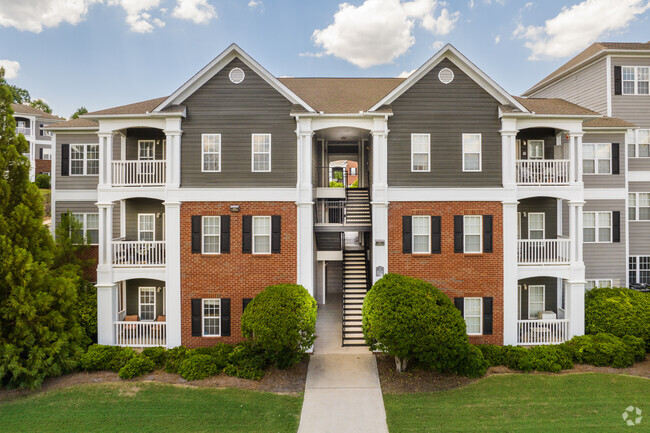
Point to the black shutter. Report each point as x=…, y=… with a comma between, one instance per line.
x=435, y=235
x=460, y=304
x=487, y=316
x=407, y=247
x=618, y=81
x=458, y=234
x=225, y=234
x=65, y=160
x=196, y=234
x=40, y=153
x=487, y=233
x=245, y=303
x=225, y=317
x=616, y=161
x=196, y=317
x=247, y=234
x=616, y=226
x=276, y=233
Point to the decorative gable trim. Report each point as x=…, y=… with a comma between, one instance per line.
x=463, y=63
x=216, y=65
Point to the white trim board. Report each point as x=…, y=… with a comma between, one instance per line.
x=75, y=195
x=449, y=194
x=605, y=194
x=638, y=176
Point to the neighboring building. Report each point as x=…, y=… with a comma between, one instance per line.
x=199, y=200
x=30, y=122
x=613, y=79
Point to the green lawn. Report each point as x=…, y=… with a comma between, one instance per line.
x=590, y=402
x=148, y=407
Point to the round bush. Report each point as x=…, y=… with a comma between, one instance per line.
x=42, y=181
x=618, y=311
x=175, y=357
x=99, y=357
x=282, y=321
x=157, y=354
x=219, y=353
x=410, y=319
x=247, y=361
x=197, y=367
x=474, y=364
x=600, y=350
x=136, y=366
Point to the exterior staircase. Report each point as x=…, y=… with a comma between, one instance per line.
x=355, y=287
x=357, y=207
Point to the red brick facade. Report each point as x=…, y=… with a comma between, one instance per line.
x=456, y=274
x=43, y=166
x=234, y=275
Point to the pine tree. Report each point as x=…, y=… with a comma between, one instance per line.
x=39, y=333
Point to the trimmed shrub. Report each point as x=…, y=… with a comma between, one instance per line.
x=220, y=353
x=100, y=357
x=410, y=319
x=175, y=357
x=539, y=358
x=600, y=350
x=247, y=361
x=136, y=366
x=156, y=354
x=281, y=320
x=637, y=345
x=42, y=181
x=198, y=366
x=550, y=358
x=618, y=311
x=474, y=364
x=494, y=355
x=334, y=184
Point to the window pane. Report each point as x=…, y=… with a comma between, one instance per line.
x=76, y=152
x=644, y=213
x=146, y=222
x=588, y=166
x=604, y=235
x=589, y=234
x=420, y=143
x=536, y=221
x=643, y=136
x=603, y=151
x=472, y=225
x=210, y=244
x=644, y=199
x=473, y=325
x=628, y=73
x=472, y=143
x=262, y=244
x=262, y=225
x=644, y=150
x=211, y=162
x=211, y=225
x=92, y=221
x=604, y=219
x=588, y=151
x=536, y=234
x=472, y=162
x=261, y=143
x=93, y=236
x=603, y=166
x=261, y=162
x=589, y=219
x=472, y=307
x=420, y=225
x=642, y=87
x=420, y=162
x=420, y=243
x=472, y=244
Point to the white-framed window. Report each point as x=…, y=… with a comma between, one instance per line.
x=639, y=206
x=597, y=226
x=261, y=148
x=84, y=159
x=261, y=235
x=636, y=80
x=147, y=303
x=641, y=146
x=421, y=228
x=473, y=233
x=146, y=150
x=89, y=226
x=211, y=317
x=420, y=152
x=536, y=225
x=211, y=152
x=639, y=269
x=597, y=158
x=472, y=152
x=536, y=300
x=211, y=243
x=47, y=154
x=146, y=227
x=535, y=149
x=473, y=312
x=592, y=284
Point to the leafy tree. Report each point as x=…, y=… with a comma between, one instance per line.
x=79, y=112
x=39, y=333
x=41, y=105
x=18, y=95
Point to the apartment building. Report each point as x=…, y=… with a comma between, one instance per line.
x=197, y=201
x=613, y=79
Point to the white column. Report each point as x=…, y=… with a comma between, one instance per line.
x=510, y=280
x=105, y=159
x=173, y=158
x=572, y=160
x=573, y=239
x=106, y=288
x=106, y=312
x=173, y=272
x=576, y=307
x=105, y=236
x=32, y=159
x=579, y=230
x=305, y=206
x=379, y=199
x=508, y=158
x=578, y=162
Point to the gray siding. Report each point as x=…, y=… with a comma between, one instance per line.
x=236, y=111
x=606, y=260
x=639, y=187
x=587, y=87
x=143, y=205
x=445, y=111
x=74, y=182
x=547, y=205
x=86, y=207
x=546, y=134
x=550, y=294
x=136, y=134
x=633, y=108
x=640, y=238
x=132, y=294
x=639, y=164
x=612, y=180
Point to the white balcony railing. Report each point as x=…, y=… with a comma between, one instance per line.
x=139, y=173
x=138, y=253
x=543, y=172
x=140, y=334
x=23, y=130
x=543, y=251
x=550, y=331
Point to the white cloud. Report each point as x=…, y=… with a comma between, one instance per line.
x=379, y=31
x=471, y=4
x=497, y=39
x=437, y=45
x=137, y=17
x=34, y=15
x=198, y=11
x=255, y=4
x=406, y=74
x=11, y=68
x=575, y=27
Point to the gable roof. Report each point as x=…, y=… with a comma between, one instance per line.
x=218, y=63
x=463, y=63
x=592, y=52
x=78, y=123
x=142, y=107
x=31, y=111
x=608, y=122
x=550, y=106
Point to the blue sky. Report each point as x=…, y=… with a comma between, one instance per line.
x=103, y=53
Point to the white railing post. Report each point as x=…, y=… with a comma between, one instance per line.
x=545, y=331
x=543, y=251
x=139, y=253
x=139, y=173
x=140, y=334
x=543, y=172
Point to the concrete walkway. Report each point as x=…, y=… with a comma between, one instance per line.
x=342, y=393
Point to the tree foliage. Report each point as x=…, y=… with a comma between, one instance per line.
x=41, y=105
x=17, y=94
x=79, y=112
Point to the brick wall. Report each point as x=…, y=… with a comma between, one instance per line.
x=43, y=166
x=91, y=255
x=456, y=274
x=235, y=275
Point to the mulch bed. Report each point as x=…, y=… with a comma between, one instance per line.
x=417, y=380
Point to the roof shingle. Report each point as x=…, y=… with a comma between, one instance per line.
x=26, y=109
x=553, y=106
x=608, y=122
x=135, y=108
x=74, y=123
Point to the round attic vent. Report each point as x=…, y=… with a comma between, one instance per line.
x=446, y=75
x=236, y=75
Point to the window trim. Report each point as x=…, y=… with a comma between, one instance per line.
x=140, y=289
x=253, y=234
x=543, y=286
x=203, y=317
x=84, y=224
x=635, y=81
x=428, y=153
x=596, y=227
x=596, y=159
x=153, y=156
x=465, y=234
x=428, y=218
x=253, y=153
x=596, y=281
x=637, y=207
x=529, y=147
x=637, y=268
x=543, y=214
x=153, y=217
x=49, y=153
x=218, y=235
x=84, y=160
x=203, y=153
x=480, y=152
x=480, y=315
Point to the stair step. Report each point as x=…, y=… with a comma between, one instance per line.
x=352, y=322
x=354, y=335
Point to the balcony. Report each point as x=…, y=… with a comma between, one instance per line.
x=543, y=331
x=138, y=254
x=139, y=173
x=140, y=334
x=543, y=251
x=23, y=130
x=535, y=172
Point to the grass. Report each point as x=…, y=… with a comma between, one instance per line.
x=149, y=407
x=590, y=402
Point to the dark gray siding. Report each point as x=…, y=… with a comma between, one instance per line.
x=143, y=205
x=606, y=260
x=236, y=111
x=550, y=294
x=334, y=277
x=603, y=180
x=639, y=187
x=445, y=111
x=547, y=205
x=546, y=134
x=74, y=182
x=86, y=207
x=633, y=108
x=132, y=294
x=136, y=134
